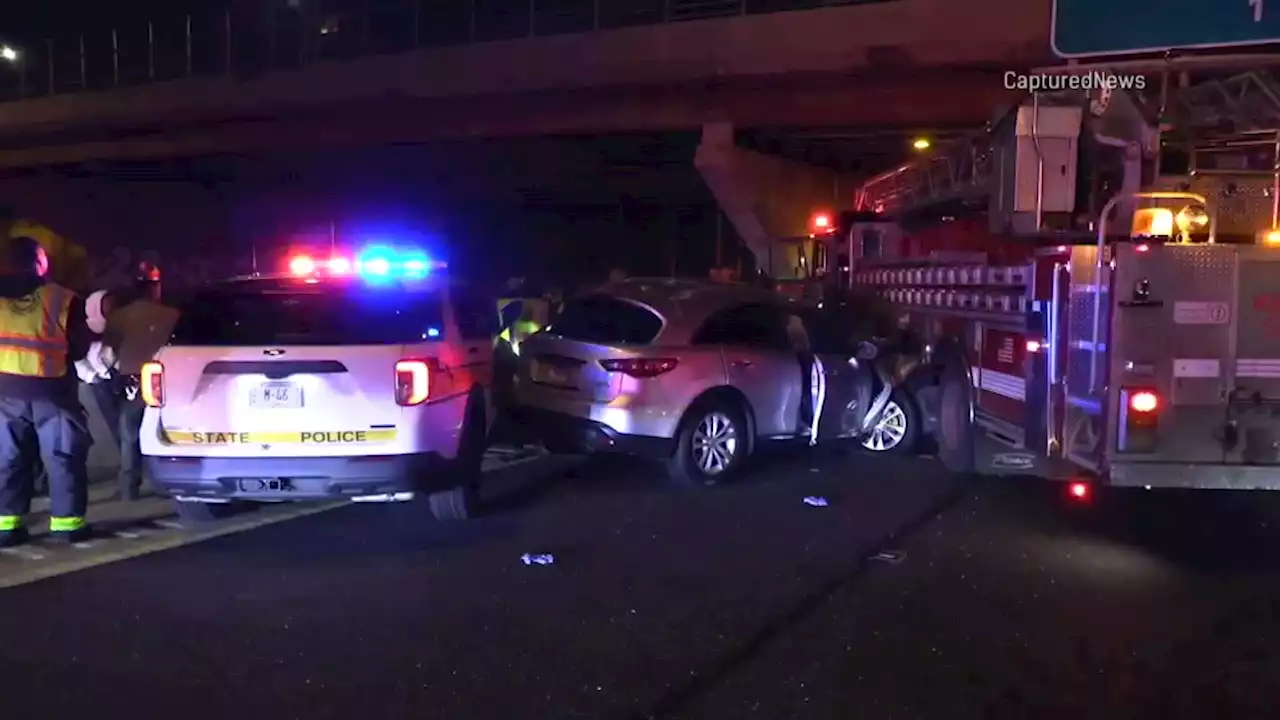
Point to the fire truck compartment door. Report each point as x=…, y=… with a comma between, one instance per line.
x=1177, y=341
x=1255, y=396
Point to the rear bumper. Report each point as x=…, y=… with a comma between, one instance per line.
x=561, y=432
x=322, y=478
x=1207, y=477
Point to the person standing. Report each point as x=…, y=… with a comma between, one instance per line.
x=42, y=333
x=134, y=325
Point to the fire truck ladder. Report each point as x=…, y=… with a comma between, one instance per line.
x=1237, y=105
x=962, y=171
x=1240, y=104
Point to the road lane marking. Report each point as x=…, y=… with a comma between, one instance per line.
x=126, y=551
x=107, y=553
x=25, y=553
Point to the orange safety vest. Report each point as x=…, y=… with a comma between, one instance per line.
x=33, y=333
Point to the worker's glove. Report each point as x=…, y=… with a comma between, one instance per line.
x=86, y=373
x=100, y=360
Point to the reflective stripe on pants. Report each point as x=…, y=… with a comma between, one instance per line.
x=65, y=524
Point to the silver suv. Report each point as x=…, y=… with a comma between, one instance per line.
x=693, y=373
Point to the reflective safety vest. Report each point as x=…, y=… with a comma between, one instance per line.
x=33, y=333
x=533, y=317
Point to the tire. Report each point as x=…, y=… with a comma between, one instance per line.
x=720, y=418
x=956, y=432
x=462, y=501
x=898, y=431
x=198, y=513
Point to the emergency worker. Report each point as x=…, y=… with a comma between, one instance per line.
x=42, y=332
x=17, y=233
x=68, y=262
x=134, y=325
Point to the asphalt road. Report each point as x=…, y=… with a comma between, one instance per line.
x=733, y=602
x=1018, y=604
x=368, y=612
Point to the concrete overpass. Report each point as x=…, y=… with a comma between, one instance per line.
x=894, y=63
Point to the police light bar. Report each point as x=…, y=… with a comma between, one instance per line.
x=370, y=265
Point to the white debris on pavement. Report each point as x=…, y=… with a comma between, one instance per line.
x=893, y=557
x=816, y=501
x=538, y=559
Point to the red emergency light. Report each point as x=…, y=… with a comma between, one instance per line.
x=1079, y=491
x=821, y=222
x=373, y=264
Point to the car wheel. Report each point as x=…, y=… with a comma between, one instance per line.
x=898, y=429
x=712, y=446
x=196, y=513
x=461, y=502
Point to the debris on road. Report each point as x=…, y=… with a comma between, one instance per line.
x=816, y=501
x=538, y=559
x=893, y=557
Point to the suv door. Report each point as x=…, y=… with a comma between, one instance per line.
x=761, y=362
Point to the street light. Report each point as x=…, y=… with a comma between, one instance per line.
x=922, y=144
x=8, y=53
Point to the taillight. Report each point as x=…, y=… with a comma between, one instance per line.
x=1079, y=491
x=1140, y=421
x=413, y=382
x=151, y=384
x=640, y=367
x=1143, y=402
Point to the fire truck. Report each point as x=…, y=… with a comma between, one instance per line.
x=1093, y=312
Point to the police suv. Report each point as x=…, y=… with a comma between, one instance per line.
x=359, y=378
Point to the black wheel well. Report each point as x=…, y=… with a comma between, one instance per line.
x=947, y=350
x=730, y=394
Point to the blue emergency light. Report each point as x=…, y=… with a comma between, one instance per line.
x=375, y=263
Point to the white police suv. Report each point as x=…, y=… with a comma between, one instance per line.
x=361, y=378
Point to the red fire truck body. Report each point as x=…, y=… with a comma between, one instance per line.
x=1144, y=357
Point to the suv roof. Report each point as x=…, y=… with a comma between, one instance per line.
x=685, y=304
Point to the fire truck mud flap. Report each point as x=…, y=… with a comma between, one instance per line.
x=955, y=431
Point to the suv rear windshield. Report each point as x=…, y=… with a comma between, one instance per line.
x=309, y=316
x=607, y=321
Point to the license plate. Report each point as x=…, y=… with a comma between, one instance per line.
x=552, y=375
x=276, y=395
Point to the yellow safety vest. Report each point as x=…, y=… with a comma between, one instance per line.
x=33, y=333
x=528, y=324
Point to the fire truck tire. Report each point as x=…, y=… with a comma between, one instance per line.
x=956, y=432
x=713, y=428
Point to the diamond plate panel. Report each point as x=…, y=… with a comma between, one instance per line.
x=1242, y=204
x=1188, y=283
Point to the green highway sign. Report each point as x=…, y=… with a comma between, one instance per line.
x=1091, y=28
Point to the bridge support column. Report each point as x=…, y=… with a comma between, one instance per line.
x=766, y=198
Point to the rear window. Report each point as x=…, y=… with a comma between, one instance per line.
x=335, y=316
x=606, y=321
